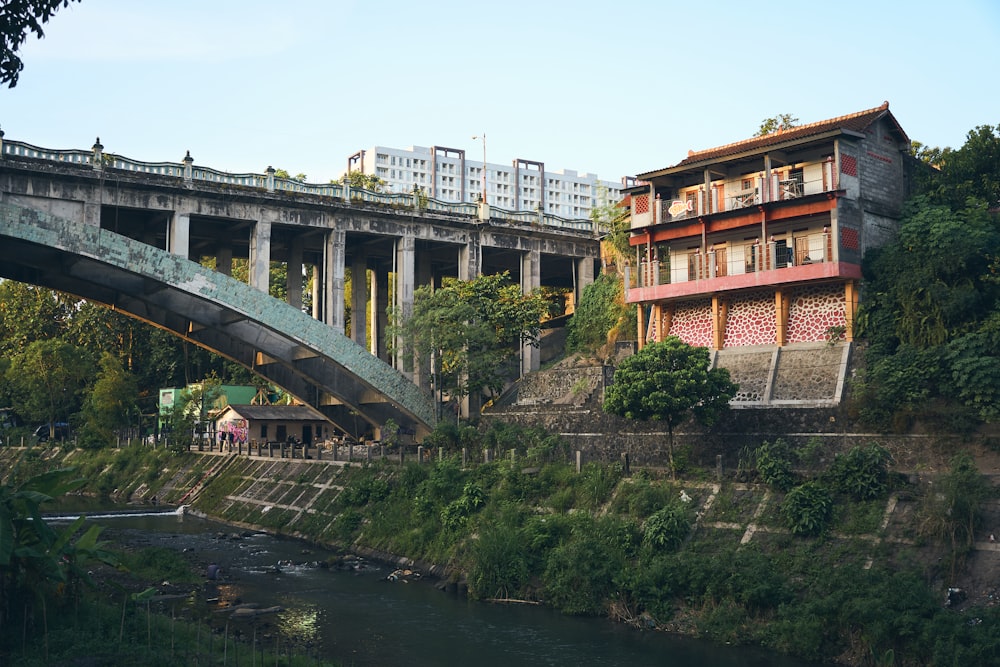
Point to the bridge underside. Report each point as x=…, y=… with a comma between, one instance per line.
x=303, y=356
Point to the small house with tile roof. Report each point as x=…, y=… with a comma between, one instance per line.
x=243, y=424
x=758, y=243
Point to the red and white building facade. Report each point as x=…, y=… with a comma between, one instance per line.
x=760, y=242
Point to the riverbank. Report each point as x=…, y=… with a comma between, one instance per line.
x=720, y=564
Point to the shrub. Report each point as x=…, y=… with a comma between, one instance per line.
x=774, y=465
x=580, y=573
x=499, y=565
x=862, y=472
x=808, y=508
x=667, y=528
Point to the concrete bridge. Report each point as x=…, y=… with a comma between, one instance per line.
x=139, y=237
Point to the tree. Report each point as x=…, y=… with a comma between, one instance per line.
x=468, y=331
x=782, y=121
x=970, y=171
x=18, y=18
x=614, y=217
x=667, y=381
x=29, y=313
x=601, y=310
x=47, y=379
x=110, y=406
x=357, y=179
x=282, y=173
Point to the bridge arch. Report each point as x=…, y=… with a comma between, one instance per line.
x=305, y=357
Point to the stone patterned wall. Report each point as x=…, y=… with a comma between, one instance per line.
x=572, y=386
x=692, y=323
x=751, y=320
x=813, y=310
x=808, y=374
x=748, y=369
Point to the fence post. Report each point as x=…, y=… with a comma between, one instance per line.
x=579, y=461
x=420, y=454
x=465, y=456
x=718, y=467
x=625, y=464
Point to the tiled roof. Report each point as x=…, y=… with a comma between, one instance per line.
x=857, y=122
x=277, y=412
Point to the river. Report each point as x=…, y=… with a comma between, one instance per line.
x=360, y=618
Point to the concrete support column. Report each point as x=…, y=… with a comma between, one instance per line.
x=584, y=277
x=379, y=314
x=293, y=282
x=224, y=261
x=405, y=270
x=179, y=235
x=260, y=256
x=720, y=317
x=781, y=311
x=850, y=308
x=359, y=299
x=531, y=278
x=470, y=262
x=317, y=292
x=424, y=276
x=335, y=254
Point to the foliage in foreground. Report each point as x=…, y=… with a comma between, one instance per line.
x=598, y=543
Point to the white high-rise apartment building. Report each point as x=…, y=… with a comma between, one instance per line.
x=446, y=174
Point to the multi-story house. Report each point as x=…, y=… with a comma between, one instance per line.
x=446, y=174
x=759, y=242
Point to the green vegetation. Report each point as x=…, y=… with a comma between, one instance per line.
x=668, y=381
x=601, y=316
x=931, y=311
x=467, y=332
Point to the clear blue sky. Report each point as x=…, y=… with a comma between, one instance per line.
x=608, y=88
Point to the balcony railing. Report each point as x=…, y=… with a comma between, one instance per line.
x=732, y=195
x=733, y=260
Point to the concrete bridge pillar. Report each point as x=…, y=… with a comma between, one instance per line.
x=179, y=235
x=317, y=300
x=260, y=256
x=531, y=278
x=293, y=283
x=584, y=276
x=359, y=298
x=379, y=315
x=333, y=283
x=405, y=271
x=470, y=262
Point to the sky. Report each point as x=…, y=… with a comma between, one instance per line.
x=597, y=87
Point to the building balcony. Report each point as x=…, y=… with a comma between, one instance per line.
x=733, y=193
x=680, y=274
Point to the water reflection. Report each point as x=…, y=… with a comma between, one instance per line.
x=358, y=617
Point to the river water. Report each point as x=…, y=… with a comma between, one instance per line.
x=360, y=618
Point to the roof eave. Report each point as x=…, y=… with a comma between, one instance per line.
x=742, y=155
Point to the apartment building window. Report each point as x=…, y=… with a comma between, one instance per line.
x=381, y=158
x=392, y=160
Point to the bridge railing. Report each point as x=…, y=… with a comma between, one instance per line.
x=215, y=176
x=187, y=172
x=21, y=149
